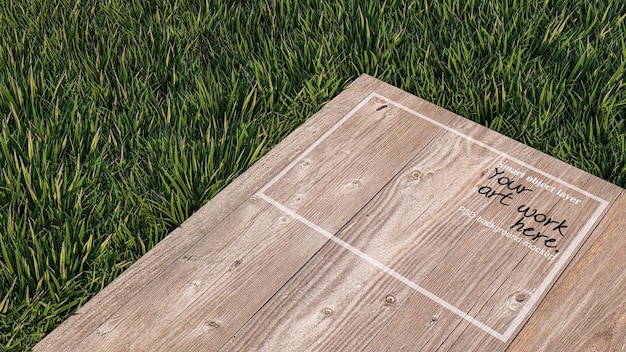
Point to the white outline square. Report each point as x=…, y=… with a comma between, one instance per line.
x=562, y=260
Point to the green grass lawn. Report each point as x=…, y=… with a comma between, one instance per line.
x=119, y=119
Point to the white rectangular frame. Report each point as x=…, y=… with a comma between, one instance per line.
x=561, y=261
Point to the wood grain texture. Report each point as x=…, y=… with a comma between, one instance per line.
x=586, y=310
x=356, y=233
x=401, y=228
x=338, y=192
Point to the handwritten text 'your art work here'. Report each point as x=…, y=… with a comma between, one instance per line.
x=532, y=223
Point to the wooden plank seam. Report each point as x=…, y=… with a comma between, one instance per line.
x=562, y=260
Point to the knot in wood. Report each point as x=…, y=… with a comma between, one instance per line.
x=521, y=297
x=235, y=264
x=352, y=185
x=416, y=174
x=305, y=163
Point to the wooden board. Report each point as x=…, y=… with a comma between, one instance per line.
x=383, y=223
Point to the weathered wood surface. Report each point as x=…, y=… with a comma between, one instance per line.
x=383, y=223
x=586, y=310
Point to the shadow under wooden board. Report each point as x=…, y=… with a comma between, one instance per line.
x=384, y=223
